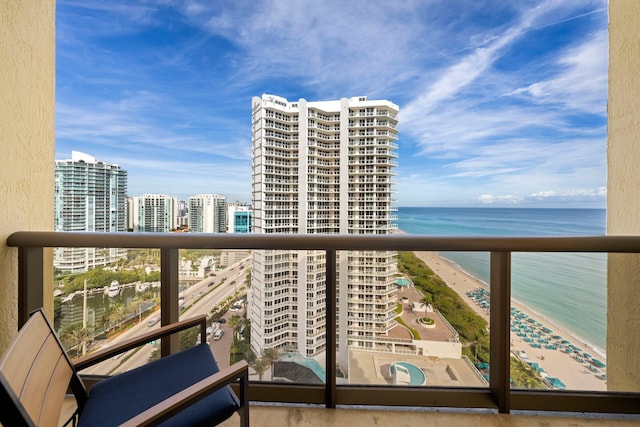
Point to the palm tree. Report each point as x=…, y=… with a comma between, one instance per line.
x=249, y=356
x=118, y=314
x=248, y=278
x=235, y=323
x=425, y=301
x=105, y=317
x=271, y=354
x=75, y=336
x=260, y=366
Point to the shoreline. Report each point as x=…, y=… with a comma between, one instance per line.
x=555, y=363
x=545, y=319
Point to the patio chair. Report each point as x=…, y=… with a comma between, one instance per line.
x=183, y=389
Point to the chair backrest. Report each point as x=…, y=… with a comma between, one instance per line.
x=35, y=373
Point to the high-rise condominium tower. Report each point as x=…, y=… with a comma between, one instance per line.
x=322, y=167
x=208, y=213
x=154, y=213
x=89, y=196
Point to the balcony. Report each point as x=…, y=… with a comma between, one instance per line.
x=497, y=397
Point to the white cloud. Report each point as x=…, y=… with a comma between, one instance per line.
x=582, y=82
x=477, y=117
x=581, y=195
x=488, y=199
x=549, y=196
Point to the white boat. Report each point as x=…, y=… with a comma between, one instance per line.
x=114, y=289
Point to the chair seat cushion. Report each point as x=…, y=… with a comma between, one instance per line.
x=118, y=398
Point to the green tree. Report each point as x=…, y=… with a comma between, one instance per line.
x=260, y=365
x=236, y=323
x=75, y=337
x=469, y=325
x=117, y=315
x=426, y=300
x=271, y=354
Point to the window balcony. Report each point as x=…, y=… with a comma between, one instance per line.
x=497, y=396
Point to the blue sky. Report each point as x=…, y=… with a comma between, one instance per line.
x=502, y=103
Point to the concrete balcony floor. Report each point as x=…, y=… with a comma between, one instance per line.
x=293, y=416
x=311, y=416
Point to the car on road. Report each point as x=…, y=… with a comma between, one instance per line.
x=221, y=320
x=153, y=321
x=218, y=334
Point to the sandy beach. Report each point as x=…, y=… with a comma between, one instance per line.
x=555, y=363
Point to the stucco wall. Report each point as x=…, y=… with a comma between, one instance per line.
x=623, y=194
x=27, y=76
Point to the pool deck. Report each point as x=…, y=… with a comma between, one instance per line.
x=440, y=333
x=373, y=368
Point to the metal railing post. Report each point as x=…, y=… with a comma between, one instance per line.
x=30, y=281
x=169, y=290
x=499, y=332
x=331, y=334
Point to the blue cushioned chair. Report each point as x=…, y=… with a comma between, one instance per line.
x=183, y=389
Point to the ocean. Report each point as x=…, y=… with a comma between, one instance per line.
x=568, y=288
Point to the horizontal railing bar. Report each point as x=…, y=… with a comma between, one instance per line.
x=415, y=396
x=575, y=401
x=396, y=242
x=287, y=393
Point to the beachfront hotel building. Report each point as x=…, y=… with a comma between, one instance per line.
x=89, y=195
x=207, y=213
x=322, y=168
x=154, y=213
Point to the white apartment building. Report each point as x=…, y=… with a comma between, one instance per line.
x=89, y=196
x=208, y=213
x=154, y=213
x=322, y=167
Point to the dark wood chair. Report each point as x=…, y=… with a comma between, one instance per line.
x=183, y=389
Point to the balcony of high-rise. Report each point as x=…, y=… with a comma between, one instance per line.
x=359, y=396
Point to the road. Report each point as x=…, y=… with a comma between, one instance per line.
x=199, y=299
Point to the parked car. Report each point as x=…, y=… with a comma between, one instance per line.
x=218, y=334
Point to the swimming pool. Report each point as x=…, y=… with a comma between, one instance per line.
x=312, y=364
x=416, y=376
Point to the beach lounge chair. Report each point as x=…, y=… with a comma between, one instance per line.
x=183, y=389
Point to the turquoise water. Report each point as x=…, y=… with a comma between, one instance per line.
x=416, y=376
x=306, y=362
x=568, y=288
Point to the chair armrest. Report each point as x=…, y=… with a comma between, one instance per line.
x=174, y=404
x=101, y=355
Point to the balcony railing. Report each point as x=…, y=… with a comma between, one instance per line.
x=497, y=396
